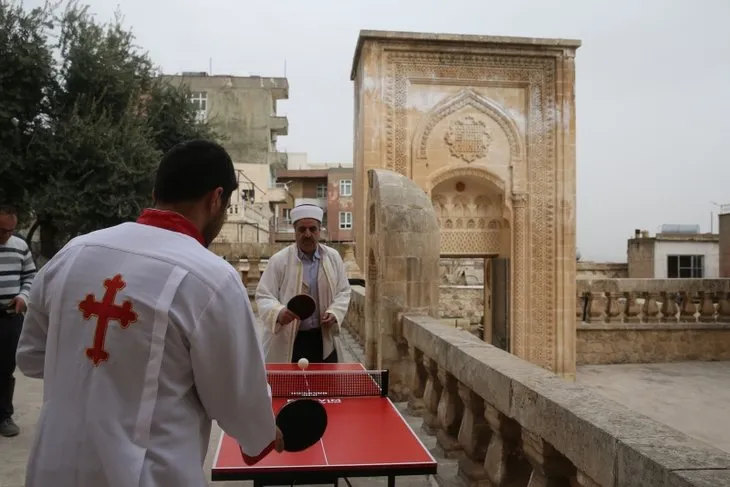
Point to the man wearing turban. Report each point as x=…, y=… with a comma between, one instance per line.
x=305, y=267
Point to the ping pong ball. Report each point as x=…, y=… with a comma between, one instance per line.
x=303, y=363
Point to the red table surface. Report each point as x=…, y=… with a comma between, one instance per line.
x=362, y=433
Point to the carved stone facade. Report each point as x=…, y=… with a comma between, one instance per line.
x=486, y=127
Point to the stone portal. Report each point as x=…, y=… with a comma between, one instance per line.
x=486, y=127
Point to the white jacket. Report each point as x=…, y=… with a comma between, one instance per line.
x=143, y=416
x=281, y=281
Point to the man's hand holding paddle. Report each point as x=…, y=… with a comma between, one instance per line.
x=300, y=307
x=279, y=441
x=302, y=422
x=328, y=319
x=286, y=316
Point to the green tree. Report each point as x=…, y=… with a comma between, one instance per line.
x=109, y=119
x=26, y=75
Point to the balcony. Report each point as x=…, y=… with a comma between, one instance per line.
x=279, y=125
x=278, y=194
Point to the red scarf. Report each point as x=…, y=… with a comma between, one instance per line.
x=169, y=220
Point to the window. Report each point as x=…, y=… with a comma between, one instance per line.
x=345, y=220
x=345, y=187
x=322, y=190
x=286, y=215
x=199, y=100
x=685, y=266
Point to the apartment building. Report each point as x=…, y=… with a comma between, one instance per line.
x=328, y=186
x=244, y=110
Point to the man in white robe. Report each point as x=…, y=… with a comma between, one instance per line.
x=142, y=336
x=305, y=267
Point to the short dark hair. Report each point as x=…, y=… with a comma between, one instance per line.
x=191, y=169
x=8, y=210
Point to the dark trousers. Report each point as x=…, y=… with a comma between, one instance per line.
x=10, y=326
x=308, y=344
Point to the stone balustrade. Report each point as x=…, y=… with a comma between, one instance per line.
x=509, y=422
x=652, y=320
x=653, y=300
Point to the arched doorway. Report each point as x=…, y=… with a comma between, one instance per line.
x=475, y=230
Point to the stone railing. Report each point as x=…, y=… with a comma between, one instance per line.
x=653, y=300
x=652, y=320
x=509, y=422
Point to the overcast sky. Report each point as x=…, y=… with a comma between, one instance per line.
x=652, y=85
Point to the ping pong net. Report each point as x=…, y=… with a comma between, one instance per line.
x=328, y=383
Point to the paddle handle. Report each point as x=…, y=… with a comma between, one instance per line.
x=254, y=460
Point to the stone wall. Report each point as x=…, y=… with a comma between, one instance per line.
x=651, y=343
x=597, y=270
x=510, y=422
x=652, y=320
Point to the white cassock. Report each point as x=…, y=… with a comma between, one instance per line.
x=133, y=406
x=281, y=281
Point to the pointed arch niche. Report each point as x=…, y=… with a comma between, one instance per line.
x=496, y=142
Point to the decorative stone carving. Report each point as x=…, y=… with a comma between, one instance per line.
x=466, y=98
x=470, y=222
x=537, y=75
x=468, y=139
x=523, y=93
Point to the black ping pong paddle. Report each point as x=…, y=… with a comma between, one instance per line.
x=302, y=423
x=302, y=305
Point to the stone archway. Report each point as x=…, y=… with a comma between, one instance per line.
x=475, y=229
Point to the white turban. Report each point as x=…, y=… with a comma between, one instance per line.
x=307, y=211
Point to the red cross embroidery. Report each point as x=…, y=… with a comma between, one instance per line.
x=105, y=310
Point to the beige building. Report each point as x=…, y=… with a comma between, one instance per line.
x=678, y=251
x=244, y=111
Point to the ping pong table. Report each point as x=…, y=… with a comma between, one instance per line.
x=366, y=435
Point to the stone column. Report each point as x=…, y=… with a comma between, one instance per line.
x=520, y=279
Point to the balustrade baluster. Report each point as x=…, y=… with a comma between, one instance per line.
x=707, y=308
x=723, y=307
x=614, y=307
x=431, y=396
x=549, y=467
x=654, y=307
x=599, y=307
x=634, y=305
x=473, y=437
x=583, y=480
x=503, y=459
x=677, y=299
x=450, y=411
x=419, y=376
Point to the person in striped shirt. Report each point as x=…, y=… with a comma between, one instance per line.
x=17, y=270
